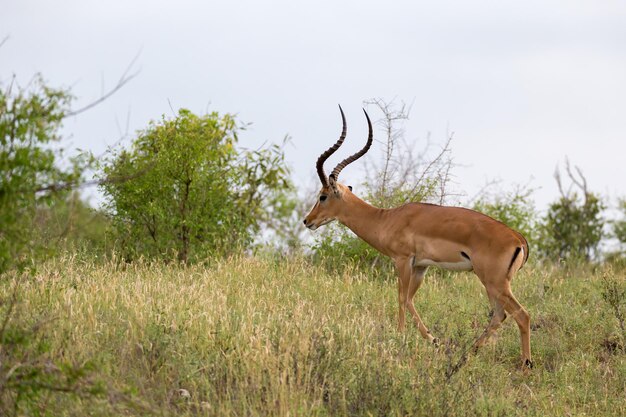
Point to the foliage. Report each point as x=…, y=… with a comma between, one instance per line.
x=269, y=336
x=339, y=249
x=30, y=166
x=516, y=209
x=614, y=294
x=266, y=197
x=618, y=231
x=70, y=224
x=619, y=226
x=572, y=227
x=183, y=189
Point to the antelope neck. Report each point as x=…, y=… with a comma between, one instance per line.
x=363, y=219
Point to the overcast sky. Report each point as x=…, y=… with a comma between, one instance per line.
x=522, y=85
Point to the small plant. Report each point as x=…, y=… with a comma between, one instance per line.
x=614, y=294
x=27, y=371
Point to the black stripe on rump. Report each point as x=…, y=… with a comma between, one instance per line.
x=517, y=251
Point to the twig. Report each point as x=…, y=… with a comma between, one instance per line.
x=124, y=79
x=109, y=180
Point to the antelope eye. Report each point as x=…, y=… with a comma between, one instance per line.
x=322, y=197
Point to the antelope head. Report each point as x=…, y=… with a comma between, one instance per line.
x=331, y=198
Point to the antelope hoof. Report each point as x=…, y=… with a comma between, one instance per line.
x=435, y=342
x=528, y=364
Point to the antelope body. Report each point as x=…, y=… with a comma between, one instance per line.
x=419, y=235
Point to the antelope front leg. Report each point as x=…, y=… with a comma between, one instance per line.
x=409, y=280
x=417, y=277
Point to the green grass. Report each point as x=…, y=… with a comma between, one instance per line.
x=257, y=336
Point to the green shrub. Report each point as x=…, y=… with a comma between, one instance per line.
x=183, y=191
x=572, y=228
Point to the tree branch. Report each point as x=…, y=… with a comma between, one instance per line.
x=4, y=40
x=124, y=79
x=74, y=185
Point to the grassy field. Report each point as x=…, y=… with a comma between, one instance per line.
x=256, y=336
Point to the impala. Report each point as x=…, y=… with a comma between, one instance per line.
x=418, y=235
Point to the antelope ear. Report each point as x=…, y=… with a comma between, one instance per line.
x=333, y=183
x=350, y=187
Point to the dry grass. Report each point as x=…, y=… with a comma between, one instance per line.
x=258, y=336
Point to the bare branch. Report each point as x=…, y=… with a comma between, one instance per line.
x=169, y=103
x=75, y=185
x=123, y=134
x=557, y=177
x=4, y=40
x=435, y=161
x=583, y=179
x=484, y=191
x=124, y=79
x=405, y=173
x=392, y=133
x=580, y=182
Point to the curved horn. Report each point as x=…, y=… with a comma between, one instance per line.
x=323, y=157
x=349, y=160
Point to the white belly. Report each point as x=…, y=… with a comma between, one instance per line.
x=464, y=265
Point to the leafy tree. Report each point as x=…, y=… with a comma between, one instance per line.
x=572, y=227
x=30, y=169
x=189, y=191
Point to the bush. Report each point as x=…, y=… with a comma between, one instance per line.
x=572, y=227
x=183, y=191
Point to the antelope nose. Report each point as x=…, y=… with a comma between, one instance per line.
x=304, y=222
